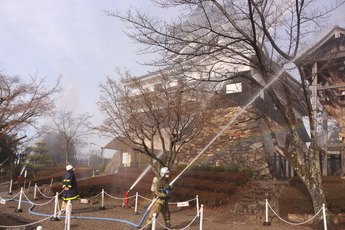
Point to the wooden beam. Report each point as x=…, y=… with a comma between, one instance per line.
x=331, y=87
x=333, y=145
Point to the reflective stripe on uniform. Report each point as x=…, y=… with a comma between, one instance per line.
x=70, y=198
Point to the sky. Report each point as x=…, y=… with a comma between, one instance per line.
x=75, y=39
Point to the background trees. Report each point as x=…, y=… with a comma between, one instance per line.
x=22, y=104
x=71, y=131
x=39, y=159
x=156, y=116
x=220, y=38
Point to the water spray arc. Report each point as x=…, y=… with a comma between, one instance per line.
x=126, y=200
x=274, y=79
x=4, y=162
x=228, y=124
x=144, y=172
x=221, y=132
x=22, y=170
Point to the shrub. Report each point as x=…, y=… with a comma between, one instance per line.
x=218, y=169
x=143, y=166
x=232, y=169
x=248, y=172
x=193, y=168
x=181, y=167
x=295, y=200
x=204, y=168
x=101, y=168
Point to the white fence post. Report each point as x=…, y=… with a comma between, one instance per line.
x=68, y=215
x=154, y=221
x=324, y=216
x=20, y=201
x=35, y=193
x=136, y=205
x=55, y=218
x=201, y=216
x=51, y=182
x=267, y=223
x=197, y=208
x=102, y=206
x=10, y=189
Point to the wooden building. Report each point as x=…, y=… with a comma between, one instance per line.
x=324, y=66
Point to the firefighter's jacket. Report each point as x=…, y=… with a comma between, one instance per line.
x=159, y=183
x=69, y=180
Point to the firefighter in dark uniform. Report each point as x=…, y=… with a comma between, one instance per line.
x=160, y=187
x=69, y=186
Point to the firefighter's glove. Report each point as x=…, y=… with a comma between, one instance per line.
x=164, y=191
x=167, y=187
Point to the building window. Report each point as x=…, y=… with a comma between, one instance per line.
x=233, y=88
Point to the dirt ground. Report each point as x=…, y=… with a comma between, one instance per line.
x=90, y=216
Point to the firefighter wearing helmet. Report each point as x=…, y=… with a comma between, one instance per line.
x=161, y=190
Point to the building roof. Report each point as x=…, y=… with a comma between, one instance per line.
x=323, y=47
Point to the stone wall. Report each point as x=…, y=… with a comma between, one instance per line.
x=241, y=144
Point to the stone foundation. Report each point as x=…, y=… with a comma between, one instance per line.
x=241, y=144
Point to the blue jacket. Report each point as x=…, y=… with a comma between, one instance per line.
x=69, y=180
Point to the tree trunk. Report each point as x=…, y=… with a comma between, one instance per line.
x=310, y=174
x=12, y=164
x=313, y=182
x=342, y=149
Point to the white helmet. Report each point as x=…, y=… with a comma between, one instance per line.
x=164, y=171
x=69, y=167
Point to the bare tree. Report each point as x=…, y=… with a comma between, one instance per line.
x=219, y=38
x=72, y=130
x=22, y=103
x=157, y=116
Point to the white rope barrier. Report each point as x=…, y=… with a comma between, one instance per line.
x=145, y=198
x=25, y=225
x=186, y=227
x=49, y=197
x=183, y=201
x=5, y=183
x=119, y=198
x=12, y=198
x=136, y=196
x=95, y=196
x=57, y=213
x=266, y=223
x=37, y=204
